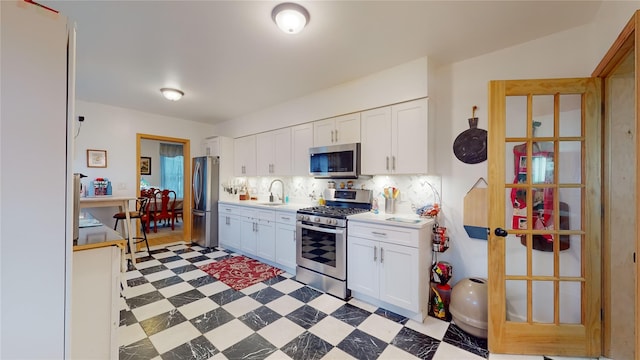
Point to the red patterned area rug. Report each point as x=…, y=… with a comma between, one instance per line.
x=240, y=271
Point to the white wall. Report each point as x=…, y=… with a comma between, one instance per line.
x=572, y=53
x=151, y=149
x=460, y=86
x=400, y=83
x=114, y=129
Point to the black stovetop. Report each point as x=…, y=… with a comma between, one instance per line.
x=339, y=212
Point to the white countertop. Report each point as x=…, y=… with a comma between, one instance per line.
x=401, y=220
x=290, y=207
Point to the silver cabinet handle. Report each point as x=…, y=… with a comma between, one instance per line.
x=336, y=135
x=379, y=233
x=393, y=163
x=375, y=253
x=294, y=235
x=285, y=218
x=387, y=167
x=381, y=255
x=331, y=135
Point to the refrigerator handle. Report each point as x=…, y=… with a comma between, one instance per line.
x=197, y=171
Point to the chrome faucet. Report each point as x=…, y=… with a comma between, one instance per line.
x=271, y=194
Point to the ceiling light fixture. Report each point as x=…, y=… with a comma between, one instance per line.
x=171, y=94
x=290, y=17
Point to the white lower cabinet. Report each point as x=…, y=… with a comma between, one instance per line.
x=286, y=240
x=257, y=233
x=265, y=234
x=95, y=292
x=229, y=221
x=389, y=264
x=266, y=239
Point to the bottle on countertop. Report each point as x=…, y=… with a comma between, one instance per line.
x=321, y=201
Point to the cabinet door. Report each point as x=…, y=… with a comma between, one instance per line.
x=362, y=271
x=323, y=132
x=229, y=232
x=248, y=240
x=302, y=140
x=266, y=239
x=286, y=246
x=376, y=141
x=410, y=141
x=399, y=276
x=245, y=156
x=347, y=129
x=281, y=152
x=211, y=147
x=265, y=144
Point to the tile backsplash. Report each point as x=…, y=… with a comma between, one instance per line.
x=415, y=190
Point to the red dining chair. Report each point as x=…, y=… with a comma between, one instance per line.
x=152, y=207
x=166, y=210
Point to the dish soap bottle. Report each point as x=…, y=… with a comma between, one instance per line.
x=321, y=201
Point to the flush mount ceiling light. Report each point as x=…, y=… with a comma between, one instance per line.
x=290, y=17
x=171, y=94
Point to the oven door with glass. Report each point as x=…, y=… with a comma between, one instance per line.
x=322, y=248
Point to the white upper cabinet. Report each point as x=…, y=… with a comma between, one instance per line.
x=244, y=150
x=395, y=139
x=343, y=129
x=301, y=141
x=273, y=153
x=211, y=146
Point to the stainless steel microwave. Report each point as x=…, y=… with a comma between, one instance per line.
x=335, y=161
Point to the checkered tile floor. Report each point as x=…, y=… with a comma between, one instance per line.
x=174, y=310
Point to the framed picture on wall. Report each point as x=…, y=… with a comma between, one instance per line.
x=145, y=165
x=96, y=158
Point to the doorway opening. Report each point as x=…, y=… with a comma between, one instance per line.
x=149, y=162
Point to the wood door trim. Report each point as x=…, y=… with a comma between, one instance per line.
x=186, y=143
x=627, y=41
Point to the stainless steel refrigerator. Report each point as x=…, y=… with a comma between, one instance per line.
x=205, y=191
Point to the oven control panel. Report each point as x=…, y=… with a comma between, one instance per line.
x=322, y=220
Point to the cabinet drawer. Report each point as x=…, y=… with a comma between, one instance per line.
x=390, y=234
x=286, y=217
x=267, y=215
x=228, y=209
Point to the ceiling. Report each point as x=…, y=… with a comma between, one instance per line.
x=231, y=60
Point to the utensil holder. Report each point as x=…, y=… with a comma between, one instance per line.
x=390, y=205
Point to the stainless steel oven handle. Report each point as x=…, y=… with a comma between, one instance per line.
x=322, y=229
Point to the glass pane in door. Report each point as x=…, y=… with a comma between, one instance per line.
x=543, y=196
x=571, y=115
x=542, y=115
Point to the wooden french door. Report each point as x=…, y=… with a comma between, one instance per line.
x=545, y=217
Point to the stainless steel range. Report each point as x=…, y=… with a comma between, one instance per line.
x=321, y=252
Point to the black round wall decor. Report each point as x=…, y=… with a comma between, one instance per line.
x=470, y=146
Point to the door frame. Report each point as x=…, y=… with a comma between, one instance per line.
x=186, y=152
x=628, y=40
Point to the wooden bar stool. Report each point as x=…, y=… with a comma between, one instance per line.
x=139, y=214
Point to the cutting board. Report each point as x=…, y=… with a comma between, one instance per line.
x=476, y=211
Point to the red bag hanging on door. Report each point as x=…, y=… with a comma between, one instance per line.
x=542, y=199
